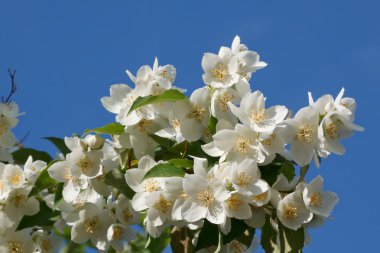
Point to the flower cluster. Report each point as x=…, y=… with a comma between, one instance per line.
x=215, y=166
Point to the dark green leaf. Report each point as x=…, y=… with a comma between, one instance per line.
x=164, y=170
x=21, y=155
x=292, y=240
x=166, y=143
x=288, y=170
x=208, y=236
x=182, y=163
x=44, y=181
x=111, y=129
x=158, y=245
x=212, y=125
x=116, y=179
x=45, y=217
x=268, y=236
x=166, y=96
x=60, y=144
x=238, y=227
x=58, y=194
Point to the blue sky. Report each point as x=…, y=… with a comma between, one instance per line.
x=68, y=53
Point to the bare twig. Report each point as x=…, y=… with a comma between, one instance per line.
x=13, y=87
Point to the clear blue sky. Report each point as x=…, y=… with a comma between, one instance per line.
x=67, y=54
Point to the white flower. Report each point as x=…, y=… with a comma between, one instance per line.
x=86, y=163
x=220, y=70
x=14, y=175
x=125, y=213
x=15, y=242
x=317, y=201
x=19, y=203
x=302, y=133
x=219, y=104
x=292, y=212
x=205, y=198
x=8, y=120
x=33, y=168
x=93, y=224
x=237, y=206
x=118, y=234
x=236, y=145
x=160, y=205
x=48, y=243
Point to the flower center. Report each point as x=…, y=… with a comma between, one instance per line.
x=243, y=180
x=332, y=131
x=19, y=200
x=92, y=224
x=269, y=141
x=46, y=245
x=223, y=101
x=143, y=125
x=15, y=179
x=315, y=199
x=176, y=124
x=127, y=215
x=197, y=113
x=118, y=233
x=151, y=185
x=84, y=164
x=206, y=197
x=220, y=72
x=162, y=204
x=242, y=145
x=261, y=197
x=234, y=203
x=258, y=116
x=15, y=247
x=291, y=212
x=305, y=133
x=237, y=247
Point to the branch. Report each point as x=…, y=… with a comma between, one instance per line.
x=13, y=87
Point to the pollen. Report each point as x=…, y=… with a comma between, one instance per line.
x=261, y=197
x=162, y=204
x=234, y=202
x=176, y=123
x=143, y=126
x=269, y=141
x=220, y=72
x=237, y=247
x=151, y=185
x=197, y=113
x=206, y=197
x=332, y=131
x=15, y=247
x=19, y=200
x=85, y=164
x=15, y=179
x=291, y=212
x=118, y=233
x=223, y=101
x=127, y=215
x=242, y=145
x=46, y=245
x=91, y=225
x=305, y=133
x=258, y=116
x=315, y=199
x=243, y=180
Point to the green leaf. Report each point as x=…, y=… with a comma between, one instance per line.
x=238, y=227
x=115, y=178
x=268, y=237
x=182, y=163
x=58, y=194
x=60, y=144
x=21, y=155
x=212, y=125
x=44, y=181
x=111, y=129
x=292, y=241
x=45, y=217
x=158, y=245
x=164, y=170
x=166, y=96
x=208, y=236
x=166, y=143
x=288, y=170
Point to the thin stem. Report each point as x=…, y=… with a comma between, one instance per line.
x=304, y=170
